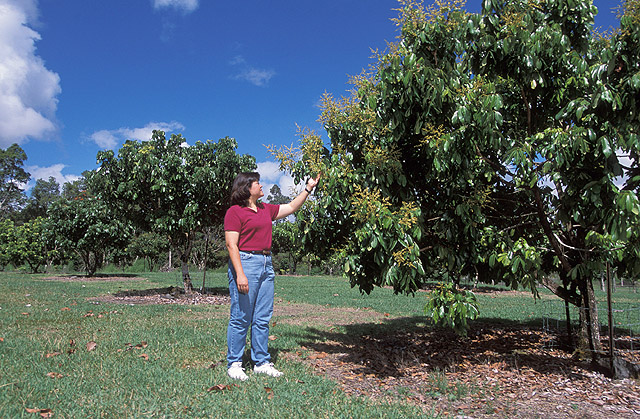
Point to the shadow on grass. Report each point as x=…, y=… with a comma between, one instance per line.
x=175, y=291
x=399, y=346
x=94, y=277
x=110, y=275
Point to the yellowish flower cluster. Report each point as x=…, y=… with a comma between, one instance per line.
x=402, y=258
x=432, y=135
x=389, y=158
x=368, y=203
x=407, y=214
x=288, y=156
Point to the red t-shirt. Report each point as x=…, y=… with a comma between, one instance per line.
x=254, y=227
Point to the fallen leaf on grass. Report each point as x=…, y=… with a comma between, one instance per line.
x=52, y=354
x=269, y=391
x=318, y=355
x=216, y=364
x=45, y=413
x=221, y=387
x=91, y=346
x=141, y=345
x=25, y=314
x=54, y=375
x=65, y=309
x=145, y=356
x=89, y=314
x=273, y=337
x=1, y=339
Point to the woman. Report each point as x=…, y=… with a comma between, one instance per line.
x=248, y=227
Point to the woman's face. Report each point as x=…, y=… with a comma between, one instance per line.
x=255, y=190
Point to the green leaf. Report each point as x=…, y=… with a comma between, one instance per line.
x=606, y=148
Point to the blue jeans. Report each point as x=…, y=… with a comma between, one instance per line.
x=252, y=309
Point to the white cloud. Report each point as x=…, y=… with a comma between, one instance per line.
x=270, y=174
x=55, y=171
x=28, y=90
x=109, y=139
x=237, y=60
x=105, y=139
x=269, y=171
x=255, y=76
x=186, y=6
x=624, y=158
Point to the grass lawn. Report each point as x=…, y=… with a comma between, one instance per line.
x=148, y=361
x=61, y=349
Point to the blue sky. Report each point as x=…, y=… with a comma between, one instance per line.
x=79, y=76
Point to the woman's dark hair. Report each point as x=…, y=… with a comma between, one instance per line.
x=240, y=189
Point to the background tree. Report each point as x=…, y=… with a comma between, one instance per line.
x=487, y=145
x=14, y=177
x=85, y=226
x=287, y=240
x=167, y=187
x=207, y=246
x=31, y=246
x=43, y=194
x=149, y=246
x=76, y=188
x=7, y=239
x=276, y=196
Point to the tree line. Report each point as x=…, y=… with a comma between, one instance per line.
x=151, y=200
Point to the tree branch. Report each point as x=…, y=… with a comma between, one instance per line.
x=546, y=227
x=560, y=291
x=525, y=223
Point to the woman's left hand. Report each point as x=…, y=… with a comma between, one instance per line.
x=312, y=183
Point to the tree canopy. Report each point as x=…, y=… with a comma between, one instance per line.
x=501, y=145
x=87, y=227
x=170, y=188
x=43, y=194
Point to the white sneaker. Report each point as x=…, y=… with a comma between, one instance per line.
x=267, y=368
x=236, y=372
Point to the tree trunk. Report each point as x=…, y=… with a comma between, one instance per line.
x=589, y=339
x=186, y=279
x=567, y=313
x=89, y=260
x=204, y=271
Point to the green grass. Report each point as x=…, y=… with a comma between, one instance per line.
x=40, y=318
x=496, y=307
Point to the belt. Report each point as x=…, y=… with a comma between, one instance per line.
x=258, y=252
